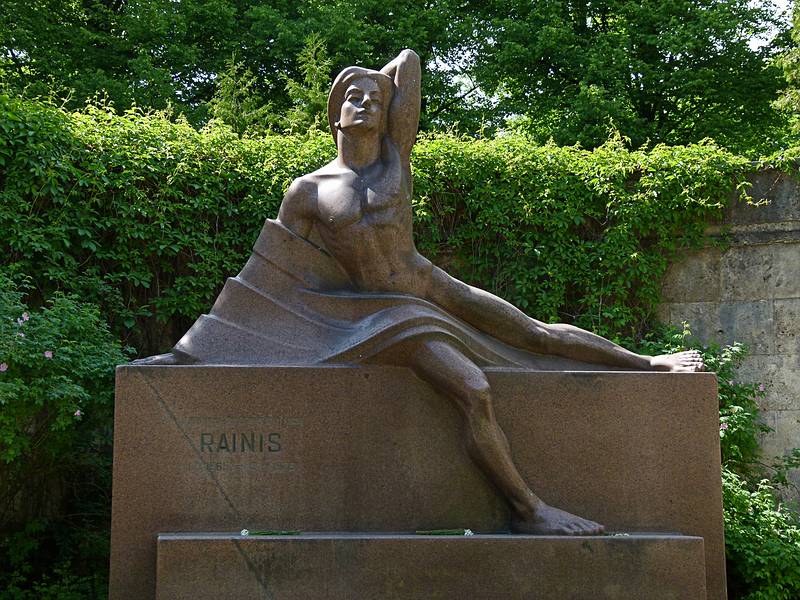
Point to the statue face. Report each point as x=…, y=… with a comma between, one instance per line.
x=363, y=105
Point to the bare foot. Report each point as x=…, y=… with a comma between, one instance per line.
x=549, y=520
x=159, y=359
x=681, y=362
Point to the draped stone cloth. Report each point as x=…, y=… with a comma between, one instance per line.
x=293, y=304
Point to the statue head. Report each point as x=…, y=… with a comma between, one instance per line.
x=359, y=99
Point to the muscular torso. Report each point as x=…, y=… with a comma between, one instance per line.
x=365, y=222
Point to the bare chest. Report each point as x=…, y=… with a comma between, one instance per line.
x=343, y=202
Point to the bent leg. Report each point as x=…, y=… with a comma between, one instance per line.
x=507, y=323
x=452, y=374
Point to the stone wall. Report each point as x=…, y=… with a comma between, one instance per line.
x=749, y=291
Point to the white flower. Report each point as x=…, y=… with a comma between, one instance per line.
x=244, y=532
x=468, y=532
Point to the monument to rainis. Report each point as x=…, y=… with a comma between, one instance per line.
x=345, y=402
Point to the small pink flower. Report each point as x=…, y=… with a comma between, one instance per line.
x=78, y=414
x=20, y=321
x=3, y=367
x=25, y=316
x=723, y=426
x=48, y=354
x=761, y=387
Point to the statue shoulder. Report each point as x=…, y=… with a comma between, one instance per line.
x=298, y=209
x=302, y=188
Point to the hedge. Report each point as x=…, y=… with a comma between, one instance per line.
x=147, y=217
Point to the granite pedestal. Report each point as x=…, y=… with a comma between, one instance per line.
x=374, y=449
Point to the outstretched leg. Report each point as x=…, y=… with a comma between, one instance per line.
x=507, y=323
x=452, y=374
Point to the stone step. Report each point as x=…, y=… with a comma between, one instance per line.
x=340, y=566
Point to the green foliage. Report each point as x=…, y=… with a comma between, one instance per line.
x=781, y=469
x=155, y=53
x=740, y=423
x=60, y=584
x=762, y=541
x=789, y=62
x=66, y=45
x=238, y=104
x=671, y=72
x=146, y=217
x=310, y=96
x=235, y=101
x=567, y=234
x=56, y=406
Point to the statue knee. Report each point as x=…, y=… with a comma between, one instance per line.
x=545, y=337
x=479, y=399
x=560, y=336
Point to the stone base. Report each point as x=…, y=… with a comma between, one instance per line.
x=374, y=449
x=407, y=567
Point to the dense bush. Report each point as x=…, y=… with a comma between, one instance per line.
x=56, y=409
x=146, y=217
x=762, y=541
x=566, y=234
x=143, y=216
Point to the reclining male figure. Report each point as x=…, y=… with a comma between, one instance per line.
x=359, y=207
x=360, y=203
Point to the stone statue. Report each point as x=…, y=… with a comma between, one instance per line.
x=337, y=279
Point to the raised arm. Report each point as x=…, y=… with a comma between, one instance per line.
x=406, y=72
